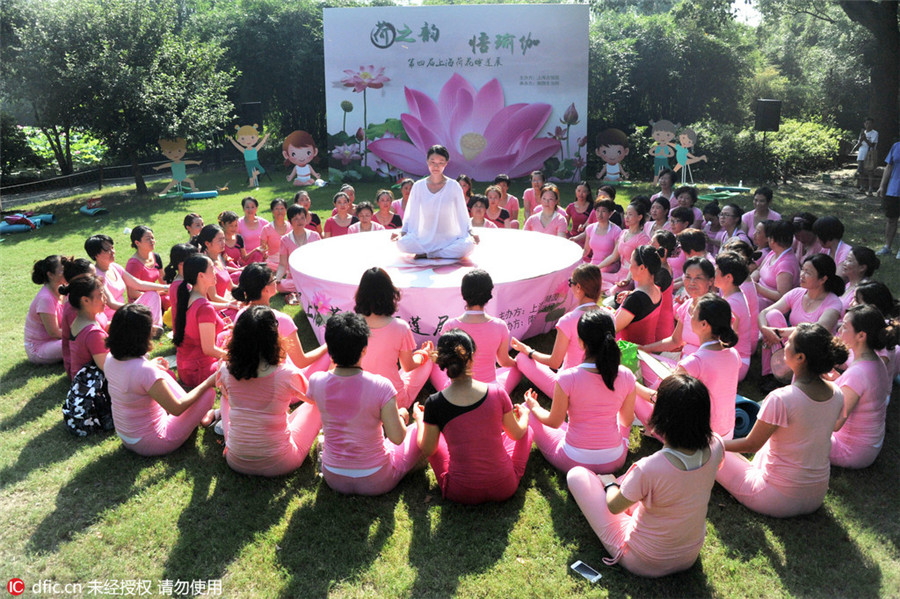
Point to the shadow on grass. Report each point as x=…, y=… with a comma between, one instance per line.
x=466, y=540
x=23, y=373
x=316, y=562
x=226, y=511
x=809, y=554
x=52, y=446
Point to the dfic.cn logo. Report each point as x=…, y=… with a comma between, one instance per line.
x=15, y=586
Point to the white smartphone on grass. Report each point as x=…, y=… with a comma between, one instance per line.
x=586, y=571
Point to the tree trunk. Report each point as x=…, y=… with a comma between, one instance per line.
x=880, y=18
x=139, y=186
x=63, y=157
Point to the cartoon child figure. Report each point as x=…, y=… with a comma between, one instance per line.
x=245, y=140
x=687, y=139
x=612, y=148
x=663, y=133
x=174, y=150
x=299, y=149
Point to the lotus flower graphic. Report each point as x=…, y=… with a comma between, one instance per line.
x=483, y=135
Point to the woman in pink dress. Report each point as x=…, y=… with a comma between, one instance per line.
x=391, y=340
x=490, y=334
x=399, y=206
x=256, y=288
x=659, y=217
x=816, y=300
x=531, y=198
x=548, y=220
x=299, y=236
x=730, y=221
x=652, y=520
x=856, y=269
x=731, y=272
x=250, y=227
x=270, y=238
x=476, y=441
x=212, y=244
x=600, y=238
x=792, y=435
x=43, y=336
x=762, y=211
x=117, y=281
x=540, y=368
x=579, y=211
x=638, y=312
x=145, y=264
x=384, y=199
x=197, y=323
x=368, y=447
x=235, y=252
x=666, y=244
x=339, y=224
x=87, y=337
x=779, y=271
x=866, y=387
x=629, y=239
x=262, y=435
x=152, y=414
x=598, y=397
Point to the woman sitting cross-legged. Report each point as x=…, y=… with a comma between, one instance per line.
x=792, y=435
x=358, y=409
x=262, y=435
x=567, y=350
x=489, y=333
x=197, y=324
x=153, y=415
x=597, y=395
x=477, y=442
x=652, y=520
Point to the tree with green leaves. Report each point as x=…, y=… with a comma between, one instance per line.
x=123, y=69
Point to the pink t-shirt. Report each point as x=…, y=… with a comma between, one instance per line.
x=650, y=228
x=289, y=242
x=749, y=220
x=355, y=228
x=576, y=219
x=556, y=226
x=626, y=246
x=803, y=253
x=512, y=204
x=350, y=407
x=723, y=237
x=719, y=371
x=286, y=325
x=383, y=355
x=529, y=201
x=251, y=236
x=136, y=414
x=397, y=207
x=44, y=302
x=795, y=458
x=794, y=299
x=139, y=270
x=593, y=408
x=487, y=224
x=89, y=341
x=741, y=311
x=336, y=230
x=773, y=265
x=752, y=297
x=676, y=263
x=840, y=253
x=273, y=238
x=669, y=518
x=223, y=278
x=602, y=245
x=568, y=326
x=688, y=336
x=864, y=427
x=258, y=409
x=488, y=337
x=190, y=350
x=114, y=283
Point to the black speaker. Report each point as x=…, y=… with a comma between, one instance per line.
x=250, y=114
x=768, y=115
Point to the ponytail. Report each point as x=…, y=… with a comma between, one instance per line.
x=716, y=312
x=598, y=333
x=193, y=266
x=177, y=255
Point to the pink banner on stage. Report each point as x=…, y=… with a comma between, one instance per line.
x=530, y=273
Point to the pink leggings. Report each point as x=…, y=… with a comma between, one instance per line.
x=747, y=483
x=503, y=485
x=46, y=352
x=507, y=378
x=194, y=372
x=587, y=489
x=849, y=454
x=402, y=459
x=173, y=431
x=304, y=423
x=540, y=375
x=551, y=442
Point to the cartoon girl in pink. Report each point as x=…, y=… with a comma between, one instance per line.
x=299, y=149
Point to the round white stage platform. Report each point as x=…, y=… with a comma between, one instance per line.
x=530, y=273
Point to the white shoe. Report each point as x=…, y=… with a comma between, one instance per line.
x=884, y=251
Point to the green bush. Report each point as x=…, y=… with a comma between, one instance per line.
x=15, y=152
x=804, y=146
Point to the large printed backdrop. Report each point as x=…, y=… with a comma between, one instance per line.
x=504, y=88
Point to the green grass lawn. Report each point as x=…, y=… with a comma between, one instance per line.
x=80, y=510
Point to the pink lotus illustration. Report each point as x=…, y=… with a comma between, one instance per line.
x=484, y=136
x=365, y=78
x=346, y=153
x=320, y=302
